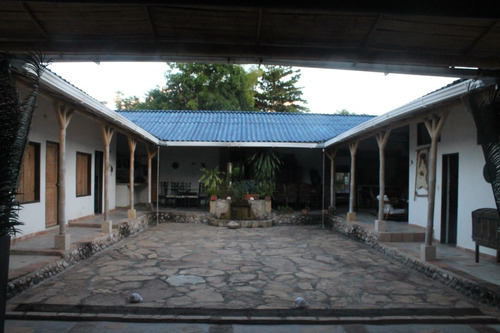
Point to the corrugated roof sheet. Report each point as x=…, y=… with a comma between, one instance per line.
x=242, y=126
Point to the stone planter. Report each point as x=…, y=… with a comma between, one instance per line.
x=222, y=208
x=269, y=205
x=258, y=209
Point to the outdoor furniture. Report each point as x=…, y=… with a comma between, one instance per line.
x=163, y=193
x=485, y=230
x=393, y=210
x=202, y=195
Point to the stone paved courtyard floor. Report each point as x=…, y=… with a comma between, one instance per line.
x=200, y=266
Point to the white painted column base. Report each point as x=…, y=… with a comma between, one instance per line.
x=107, y=227
x=62, y=242
x=380, y=225
x=132, y=214
x=428, y=253
x=351, y=216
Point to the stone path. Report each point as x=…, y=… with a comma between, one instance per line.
x=199, y=266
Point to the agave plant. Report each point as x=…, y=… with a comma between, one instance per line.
x=486, y=113
x=15, y=117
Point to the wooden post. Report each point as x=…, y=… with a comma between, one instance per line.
x=151, y=154
x=62, y=241
x=382, y=138
x=434, y=126
x=132, y=143
x=331, y=156
x=353, y=148
x=107, y=133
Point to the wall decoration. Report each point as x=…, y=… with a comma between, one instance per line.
x=422, y=173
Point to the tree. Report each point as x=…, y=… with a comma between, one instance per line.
x=277, y=91
x=200, y=87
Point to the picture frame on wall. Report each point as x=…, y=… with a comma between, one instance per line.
x=422, y=173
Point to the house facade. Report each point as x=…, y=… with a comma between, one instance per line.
x=120, y=159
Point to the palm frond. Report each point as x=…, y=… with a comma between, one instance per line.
x=485, y=110
x=15, y=117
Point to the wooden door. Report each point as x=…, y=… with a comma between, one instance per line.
x=154, y=180
x=51, y=178
x=449, y=199
x=98, y=181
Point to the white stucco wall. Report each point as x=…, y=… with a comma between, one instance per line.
x=190, y=160
x=83, y=135
x=458, y=136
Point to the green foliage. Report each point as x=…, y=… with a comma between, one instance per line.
x=277, y=91
x=15, y=117
x=265, y=165
x=343, y=112
x=200, y=87
x=284, y=210
x=222, y=87
x=213, y=179
x=266, y=189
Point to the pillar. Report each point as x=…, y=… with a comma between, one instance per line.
x=353, y=148
x=62, y=241
x=331, y=156
x=132, y=143
x=107, y=133
x=434, y=126
x=382, y=138
x=151, y=154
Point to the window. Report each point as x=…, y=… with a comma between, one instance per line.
x=83, y=174
x=29, y=177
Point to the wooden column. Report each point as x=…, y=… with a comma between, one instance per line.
x=331, y=155
x=132, y=143
x=107, y=133
x=382, y=138
x=353, y=148
x=62, y=241
x=151, y=154
x=434, y=126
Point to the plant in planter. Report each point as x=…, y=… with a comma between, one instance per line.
x=265, y=165
x=266, y=189
x=250, y=189
x=212, y=179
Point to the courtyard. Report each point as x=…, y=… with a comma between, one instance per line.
x=204, y=271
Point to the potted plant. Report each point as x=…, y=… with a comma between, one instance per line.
x=265, y=165
x=305, y=210
x=212, y=179
x=250, y=190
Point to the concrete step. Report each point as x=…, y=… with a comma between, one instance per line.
x=401, y=236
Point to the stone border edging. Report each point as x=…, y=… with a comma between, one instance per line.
x=460, y=284
x=83, y=250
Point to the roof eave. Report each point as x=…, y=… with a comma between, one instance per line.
x=412, y=109
x=241, y=144
x=54, y=83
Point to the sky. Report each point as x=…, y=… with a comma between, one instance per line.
x=325, y=90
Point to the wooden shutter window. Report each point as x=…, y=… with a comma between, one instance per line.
x=29, y=178
x=82, y=174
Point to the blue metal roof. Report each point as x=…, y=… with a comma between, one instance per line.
x=242, y=126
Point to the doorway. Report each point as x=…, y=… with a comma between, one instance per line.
x=51, y=180
x=449, y=199
x=98, y=181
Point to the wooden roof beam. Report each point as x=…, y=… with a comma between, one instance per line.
x=36, y=21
